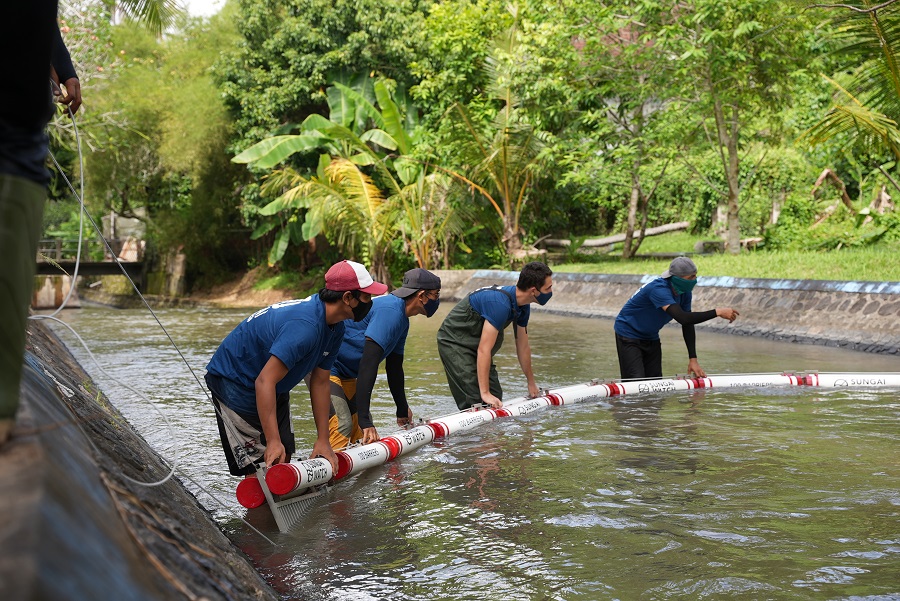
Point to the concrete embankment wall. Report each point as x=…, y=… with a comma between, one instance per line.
x=862, y=316
x=72, y=526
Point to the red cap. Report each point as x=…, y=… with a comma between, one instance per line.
x=348, y=275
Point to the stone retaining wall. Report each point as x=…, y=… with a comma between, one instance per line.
x=862, y=316
x=75, y=525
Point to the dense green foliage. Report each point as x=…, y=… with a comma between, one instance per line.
x=461, y=132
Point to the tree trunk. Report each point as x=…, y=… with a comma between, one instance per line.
x=728, y=138
x=616, y=238
x=380, y=272
x=637, y=125
x=777, y=204
x=512, y=237
x=628, y=251
x=644, y=210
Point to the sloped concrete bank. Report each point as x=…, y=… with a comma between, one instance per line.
x=73, y=526
x=863, y=316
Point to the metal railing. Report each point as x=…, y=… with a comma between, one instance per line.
x=63, y=249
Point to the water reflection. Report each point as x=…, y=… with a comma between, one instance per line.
x=768, y=493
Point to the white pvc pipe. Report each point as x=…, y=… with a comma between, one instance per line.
x=299, y=475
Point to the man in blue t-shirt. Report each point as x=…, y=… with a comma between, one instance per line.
x=380, y=336
x=253, y=371
x=657, y=303
x=472, y=333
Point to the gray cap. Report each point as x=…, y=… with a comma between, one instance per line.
x=415, y=280
x=680, y=267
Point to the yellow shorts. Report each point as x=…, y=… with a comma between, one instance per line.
x=343, y=426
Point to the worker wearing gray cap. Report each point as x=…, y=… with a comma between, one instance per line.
x=657, y=303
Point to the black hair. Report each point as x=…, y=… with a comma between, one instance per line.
x=332, y=296
x=533, y=275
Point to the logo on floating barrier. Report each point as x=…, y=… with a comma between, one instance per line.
x=661, y=386
x=528, y=407
x=860, y=382
x=315, y=471
x=413, y=437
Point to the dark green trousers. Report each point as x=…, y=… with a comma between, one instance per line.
x=458, y=339
x=21, y=210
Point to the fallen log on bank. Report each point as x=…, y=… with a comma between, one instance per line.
x=616, y=238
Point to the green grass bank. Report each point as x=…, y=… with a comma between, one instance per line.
x=872, y=263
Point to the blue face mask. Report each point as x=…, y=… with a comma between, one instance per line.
x=431, y=306
x=543, y=297
x=682, y=285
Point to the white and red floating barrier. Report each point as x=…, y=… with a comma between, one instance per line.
x=296, y=477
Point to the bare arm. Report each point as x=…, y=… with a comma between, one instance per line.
x=483, y=362
x=272, y=373
x=523, y=352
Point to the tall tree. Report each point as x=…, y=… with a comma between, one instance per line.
x=292, y=49
x=626, y=94
x=501, y=160
x=734, y=59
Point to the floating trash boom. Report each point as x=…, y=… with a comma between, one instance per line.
x=296, y=480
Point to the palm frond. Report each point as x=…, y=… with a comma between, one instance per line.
x=857, y=124
x=155, y=14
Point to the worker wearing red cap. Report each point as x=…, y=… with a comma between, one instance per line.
x=254, y=369
x=381, y=336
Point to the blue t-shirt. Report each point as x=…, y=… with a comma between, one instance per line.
x=642, y=316
x=497, y=308
x=294, y=331
x=386, y=324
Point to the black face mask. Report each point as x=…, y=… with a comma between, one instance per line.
x=361, y=309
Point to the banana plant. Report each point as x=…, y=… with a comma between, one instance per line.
x=360, y=195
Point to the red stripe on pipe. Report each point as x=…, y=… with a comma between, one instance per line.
x=439, y=429
x=555, y=399
x=345, y=464
x=392, y=445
